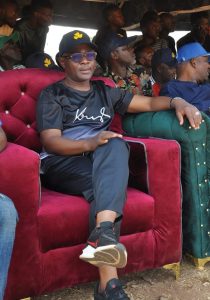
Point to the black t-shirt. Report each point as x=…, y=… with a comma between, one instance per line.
x=80, y=115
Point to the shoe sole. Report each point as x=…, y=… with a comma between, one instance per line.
x=112, y=255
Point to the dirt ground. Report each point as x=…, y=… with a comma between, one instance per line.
x=159, y=284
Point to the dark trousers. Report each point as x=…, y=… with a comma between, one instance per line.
x=100, y=176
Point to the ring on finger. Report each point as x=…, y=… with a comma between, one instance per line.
x=197, y=113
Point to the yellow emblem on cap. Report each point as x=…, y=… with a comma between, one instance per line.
x=47, y=62
x=78, y=35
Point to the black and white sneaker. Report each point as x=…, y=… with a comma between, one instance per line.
x=103, y=248
x=113, y=291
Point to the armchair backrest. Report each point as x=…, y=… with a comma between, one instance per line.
x=20, y=90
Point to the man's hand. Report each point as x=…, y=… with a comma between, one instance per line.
x=101, y=138
x=183, y=109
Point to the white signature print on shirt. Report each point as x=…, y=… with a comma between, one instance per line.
x=81, y=115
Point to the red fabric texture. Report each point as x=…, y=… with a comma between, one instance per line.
x=53, y=227
x=156, y=89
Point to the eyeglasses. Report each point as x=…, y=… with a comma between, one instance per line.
x=78, y=57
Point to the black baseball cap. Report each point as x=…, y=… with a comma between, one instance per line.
x=164, y=56
x=40, y=60
x=112, y=41
x=72, y=39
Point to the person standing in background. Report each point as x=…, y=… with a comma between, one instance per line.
x=34, y=26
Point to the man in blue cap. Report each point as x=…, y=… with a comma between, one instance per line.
x=82, y=156
x=192, y=75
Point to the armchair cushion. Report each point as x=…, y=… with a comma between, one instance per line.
x=57, y=229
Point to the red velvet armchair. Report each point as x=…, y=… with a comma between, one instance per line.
x=53, y=227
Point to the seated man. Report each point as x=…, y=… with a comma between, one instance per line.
x=8, y=220
x=192, y=73
x=163, y=69
x=119, y=56
x=81, y=155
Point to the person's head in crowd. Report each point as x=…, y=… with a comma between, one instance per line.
x=77, y=56
x=193, y=63
x=144, y=56
x=150, y=25
x=200, y=25
x=113, y=16
x=118, y=51
x=164, y=66
x=40, y=13
x=41, y=60
x=10, y=54
x=9, y=12
x=167, y=23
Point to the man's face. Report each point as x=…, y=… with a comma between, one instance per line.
x=116, y=18
x=44, y=16
x=11, y=52
x=168, y=23
x=153, y=29
x=201, y=68
x=125, y=55
x=10, y=14
x=204, y=25
x=167, y=73
x=79, y=71
x=146, y=57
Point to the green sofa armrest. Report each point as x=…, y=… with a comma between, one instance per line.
x=195, y=166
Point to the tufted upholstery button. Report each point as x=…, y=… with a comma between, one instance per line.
x=28, y=125
x=6, y=112
x=201, y=225
x=22, y=93
x=201, y=204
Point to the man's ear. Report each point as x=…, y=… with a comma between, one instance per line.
x=62, y=62
x=114, y=55
x=193, y=62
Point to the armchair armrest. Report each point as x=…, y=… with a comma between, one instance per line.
x=20, y=178
x=163, y=182
x=195, y=149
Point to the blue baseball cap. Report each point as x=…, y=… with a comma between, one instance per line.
x=164, y=56
x=189, y=51
x=112, y=41
x=73, y=39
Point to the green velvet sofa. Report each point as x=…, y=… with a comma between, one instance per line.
x=195, y=173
